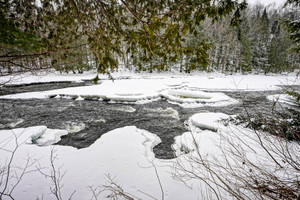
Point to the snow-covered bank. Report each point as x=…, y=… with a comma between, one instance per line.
x=240, y=157
x=201, y=80
x=126, y=154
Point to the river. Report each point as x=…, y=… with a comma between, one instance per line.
x=87, y=121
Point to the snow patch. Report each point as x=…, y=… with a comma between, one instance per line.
x=237, y=147
x=48, y=137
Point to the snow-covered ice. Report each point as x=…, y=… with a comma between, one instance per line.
x=210, y=121
x=38, y=135
x=184, y=90
x=189, y=98
x=45, y=136
x=207, y=124
x=138, y=90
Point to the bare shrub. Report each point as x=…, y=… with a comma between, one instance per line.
x=11, y=174
x=248, y=163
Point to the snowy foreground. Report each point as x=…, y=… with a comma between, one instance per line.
x=126, y=154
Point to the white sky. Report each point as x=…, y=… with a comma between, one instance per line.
x=267, y=2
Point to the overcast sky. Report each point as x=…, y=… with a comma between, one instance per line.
x=267, y=2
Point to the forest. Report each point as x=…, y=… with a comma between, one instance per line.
x=228, y=38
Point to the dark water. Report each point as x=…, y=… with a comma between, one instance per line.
x=33, y=87
x=95, y=118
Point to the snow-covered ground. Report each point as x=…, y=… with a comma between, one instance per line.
x=126, y=153
x=211, y=81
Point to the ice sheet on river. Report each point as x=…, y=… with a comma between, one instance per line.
x=188, y=98
x=209, y=121
x=138, y=91
x=143, y=89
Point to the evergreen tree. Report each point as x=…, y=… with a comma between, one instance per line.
x=259, y=43
x=278, y=54
x=293, y=27
x=245, y=55
x=275, y=29
x=154, y=30
x=73, y=36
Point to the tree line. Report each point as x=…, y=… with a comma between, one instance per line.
x=76, y=36
x=260, y=43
